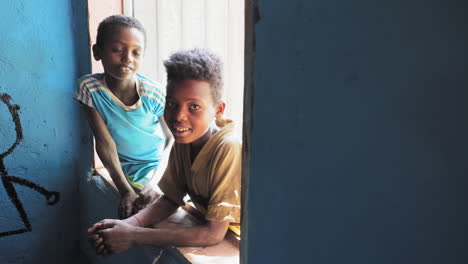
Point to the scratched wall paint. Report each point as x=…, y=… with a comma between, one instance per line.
x=43, y=49
x=359, y=147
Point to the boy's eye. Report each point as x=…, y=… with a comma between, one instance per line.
x=170, y=105
x=194, y=107
x=117, y=50
x=137, y=53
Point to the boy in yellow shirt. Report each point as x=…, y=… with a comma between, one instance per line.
x=205, y=163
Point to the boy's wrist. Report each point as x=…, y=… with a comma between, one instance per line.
x=140, y=237
x=134, y=221
x=135, y=237
x=125, y=189
x=120, y=182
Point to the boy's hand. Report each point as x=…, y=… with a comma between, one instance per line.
x=146, y=196
x=116, y=236
x=96, y=240
x=126, y=206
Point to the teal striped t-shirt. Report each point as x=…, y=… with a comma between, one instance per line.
x=136, y=129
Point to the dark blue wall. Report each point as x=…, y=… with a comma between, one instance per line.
x=359, y=145
x=43, y=49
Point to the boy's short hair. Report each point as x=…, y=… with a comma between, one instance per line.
x=196, y=64
x=107, y=25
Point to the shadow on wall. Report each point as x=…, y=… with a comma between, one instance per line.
x=8, y=180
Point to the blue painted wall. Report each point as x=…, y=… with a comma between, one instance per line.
x=359, y=147
x=43, y=50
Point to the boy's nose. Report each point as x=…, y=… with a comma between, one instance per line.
x=127, y=57
x=180, y=115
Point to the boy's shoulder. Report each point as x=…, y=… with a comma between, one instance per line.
x=147, y=81
x=227, y=137
x=90, y=78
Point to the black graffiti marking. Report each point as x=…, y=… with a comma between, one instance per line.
x=5, y=98
x=8, y=181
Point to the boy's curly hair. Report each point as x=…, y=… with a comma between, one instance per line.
x=108, y=25
x=196, y=64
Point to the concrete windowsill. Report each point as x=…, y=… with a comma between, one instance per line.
x=226, y=252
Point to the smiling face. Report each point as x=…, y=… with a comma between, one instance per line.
x=122, y=52
x=190, y=111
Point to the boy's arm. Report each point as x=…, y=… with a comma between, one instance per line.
x=154, y=213
x=107, y=151
x=116, y=236
x=119, y=235
x=149, y=193
x=208, y=234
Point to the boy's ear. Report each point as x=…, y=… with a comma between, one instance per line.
x=96, y=52
x=220, y=109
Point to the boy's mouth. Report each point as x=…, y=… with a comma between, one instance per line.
x=180, y=130
x=126, y=68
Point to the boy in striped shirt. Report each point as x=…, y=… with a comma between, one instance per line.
x=124, y=110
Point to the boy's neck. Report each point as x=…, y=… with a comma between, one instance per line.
x=119, y=86
x=197, y=145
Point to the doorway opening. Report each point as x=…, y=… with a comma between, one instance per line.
x=172, y=25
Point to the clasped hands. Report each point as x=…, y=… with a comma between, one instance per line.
x=112, y=236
